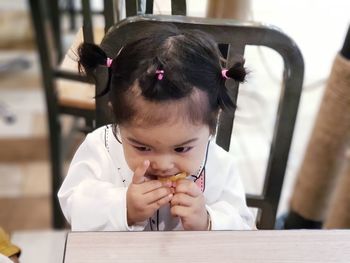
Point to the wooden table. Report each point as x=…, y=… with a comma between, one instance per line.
x=216, y=246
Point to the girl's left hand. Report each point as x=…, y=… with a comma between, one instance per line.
x=188, y=203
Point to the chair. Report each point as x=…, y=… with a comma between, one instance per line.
x=110, y=12
x=50, y=57
x=60, y=100
x=237, y=36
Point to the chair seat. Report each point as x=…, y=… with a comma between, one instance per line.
x=77, y=95
x=74, y=94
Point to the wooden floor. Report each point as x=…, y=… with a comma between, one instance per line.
x=25, y=181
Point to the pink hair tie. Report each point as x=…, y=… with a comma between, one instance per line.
x=160, y=74
x=109, y=62
x=223, y=73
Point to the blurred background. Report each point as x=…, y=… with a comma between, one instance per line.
x=318, y=27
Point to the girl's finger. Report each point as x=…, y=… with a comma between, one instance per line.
x=150, y=186
x=154, y=196
x=180, y=211
x=187, y=187
x=163, y=201
x=182, y=199
x=139, y=175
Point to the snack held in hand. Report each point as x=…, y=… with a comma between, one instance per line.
x=174, y=178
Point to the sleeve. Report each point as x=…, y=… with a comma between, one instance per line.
x=229, y=211
x=89, y=199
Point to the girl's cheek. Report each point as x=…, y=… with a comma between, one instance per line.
x=132, y=159
x=191, y=167
x=196, y=165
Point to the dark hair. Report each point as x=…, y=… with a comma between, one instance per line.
x=191, y=63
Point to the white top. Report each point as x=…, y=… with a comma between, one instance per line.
x=93, y=195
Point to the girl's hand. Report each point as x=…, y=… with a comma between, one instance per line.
x=144, y=198
x=189, y=204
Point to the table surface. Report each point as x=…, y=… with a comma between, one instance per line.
x=212, y=246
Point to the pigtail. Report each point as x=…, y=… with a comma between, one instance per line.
x=90, y=57
x=238, y=73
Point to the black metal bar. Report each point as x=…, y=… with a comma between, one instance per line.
x=131, y=7
x=88, y=114
x=54, y=15
x=178, y=7
x=265, y=207
x=225, y=128
x=285, y=120
x=80, y=12
x=149, y=7
x=255, y=200
x=87, y=22
x=345, y=51
x=89, y=125
x=71, y=12
x=102, y=111
x=108, y=11
x=52, y=109
x=69, y=139
x=223, y=50
x=69, y=75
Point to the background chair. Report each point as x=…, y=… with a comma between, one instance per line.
x=237, y=36
x=76, y=98
x=50, y=55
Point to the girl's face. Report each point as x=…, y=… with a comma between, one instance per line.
x=172, y=147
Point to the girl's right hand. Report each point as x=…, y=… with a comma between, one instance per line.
x=143, y=197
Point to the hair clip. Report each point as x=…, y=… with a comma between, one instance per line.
x=109, y=62
x=160, y=73
x=223, y=73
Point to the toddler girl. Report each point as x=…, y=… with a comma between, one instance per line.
x=166, y=90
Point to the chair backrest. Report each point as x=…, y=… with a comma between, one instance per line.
x=47, y=24
x=110, y=12
x=132, y=8
x=237, y=36
x=46, y=18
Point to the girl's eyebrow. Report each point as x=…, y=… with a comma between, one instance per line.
x=137, y=142
x=178, y=145
x=186, y=142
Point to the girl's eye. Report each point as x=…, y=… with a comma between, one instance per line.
x=182, y=149
x=142, y=148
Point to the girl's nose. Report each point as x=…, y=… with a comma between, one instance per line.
x=162, y=164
